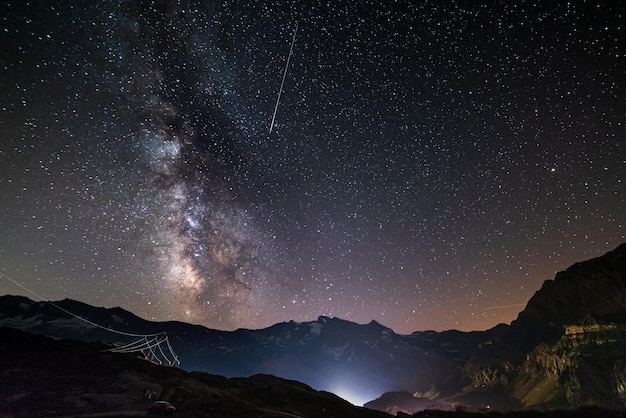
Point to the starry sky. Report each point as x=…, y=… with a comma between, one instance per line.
x=431, y=163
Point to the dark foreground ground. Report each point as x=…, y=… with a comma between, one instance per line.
x=586, y=412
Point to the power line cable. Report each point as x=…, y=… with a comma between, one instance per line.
x=144, y=337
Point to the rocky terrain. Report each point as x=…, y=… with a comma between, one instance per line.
x=565, y=350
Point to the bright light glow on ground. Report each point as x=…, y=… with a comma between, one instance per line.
x=352, y=396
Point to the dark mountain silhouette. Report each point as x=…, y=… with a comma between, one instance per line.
x=566, y=349
x=595, y=288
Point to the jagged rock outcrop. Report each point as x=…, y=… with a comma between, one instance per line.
x=566, y=346
x=489, y=376
x=566, y=349
x=585, y=366
x=596, y=287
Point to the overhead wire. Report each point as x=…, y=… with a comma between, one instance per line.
x=140, y=346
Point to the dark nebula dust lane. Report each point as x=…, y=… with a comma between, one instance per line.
x=428, y=166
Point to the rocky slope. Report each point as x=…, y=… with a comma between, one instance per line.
x=566, y=349
x=595, y=288
x=585, y=366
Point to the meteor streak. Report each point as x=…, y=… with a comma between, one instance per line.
x=293, y=41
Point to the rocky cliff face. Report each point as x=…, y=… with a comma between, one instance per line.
x=567, y=347
x=595, y=288
x=585, y=366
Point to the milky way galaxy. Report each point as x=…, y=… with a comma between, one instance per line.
x=429, y=166
x=204, y=244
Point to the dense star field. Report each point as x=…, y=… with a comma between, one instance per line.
x=430, y=164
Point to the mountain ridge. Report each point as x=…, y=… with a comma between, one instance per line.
x=545, y=349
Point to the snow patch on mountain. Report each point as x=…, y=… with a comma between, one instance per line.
x=316, y=328
x=337, y=352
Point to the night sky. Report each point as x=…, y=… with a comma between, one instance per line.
x=430, y=165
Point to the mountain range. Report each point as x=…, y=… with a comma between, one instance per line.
x=565, y=349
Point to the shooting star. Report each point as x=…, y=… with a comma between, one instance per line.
x=293, y=41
